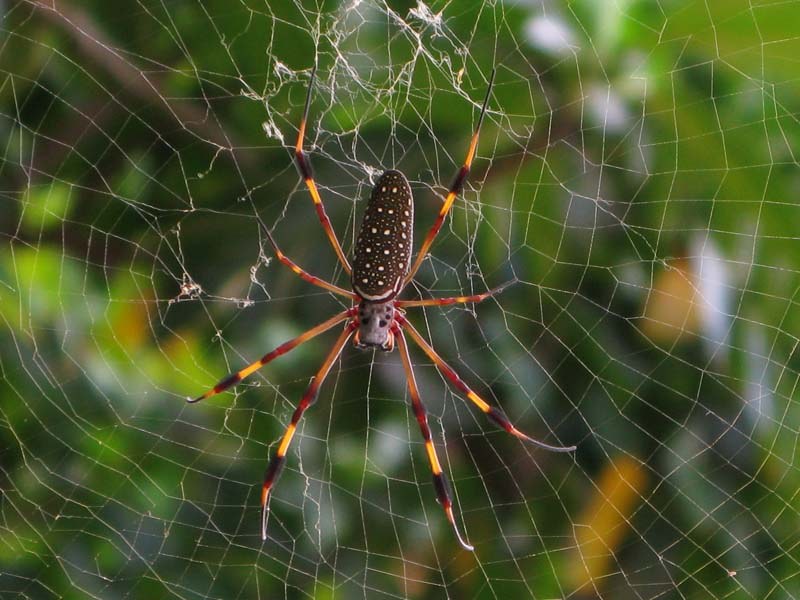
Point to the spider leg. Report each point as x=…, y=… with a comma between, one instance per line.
x=439, y=478
x=456, y=299
x=236, y=377
x=306, y=172
x=310, y=396
x=455, y=189
x=304, y=274
x=494, y=414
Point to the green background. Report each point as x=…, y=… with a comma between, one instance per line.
x=638, y=176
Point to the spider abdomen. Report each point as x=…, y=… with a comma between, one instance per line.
x=382, y=253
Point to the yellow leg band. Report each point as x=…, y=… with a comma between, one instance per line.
x=287, y=438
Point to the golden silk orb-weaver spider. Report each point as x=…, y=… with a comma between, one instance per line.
x=381, y=269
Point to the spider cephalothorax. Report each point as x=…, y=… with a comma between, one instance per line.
x=375, y=323
x=381, y=269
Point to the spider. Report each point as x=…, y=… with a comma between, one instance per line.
x=381, y=269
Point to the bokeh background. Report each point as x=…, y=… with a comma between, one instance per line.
x=637, y=172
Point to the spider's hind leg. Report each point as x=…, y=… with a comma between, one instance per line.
x=439, y=478
x=494, y=414
x=277, y=462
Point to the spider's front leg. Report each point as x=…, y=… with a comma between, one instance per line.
x=453, y=192
x=304, y=168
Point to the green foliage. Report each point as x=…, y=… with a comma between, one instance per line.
x=636, y=172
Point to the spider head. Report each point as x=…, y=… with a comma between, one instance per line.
x=374, y=325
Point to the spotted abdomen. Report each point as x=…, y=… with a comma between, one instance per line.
x=383, y=247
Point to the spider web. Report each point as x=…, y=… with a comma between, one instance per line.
x=636, y=173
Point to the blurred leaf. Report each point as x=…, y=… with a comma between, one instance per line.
x=671, y=311
x=45, y=207
x=606, y=519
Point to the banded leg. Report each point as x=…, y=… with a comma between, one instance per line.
x=304, y=275
x=236, y=377
x=310, y=396
x=439, y=478
x=304, y=167
x=456, y=299
x=455, y=189
x=493, y=413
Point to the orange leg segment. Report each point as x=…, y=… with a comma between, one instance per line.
x=455, y=190
x=494, y=414
x=236, y=377
x=439, y=478
x=306, y=172
x=455, y=299
x=304, y=275
x=310, y=396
